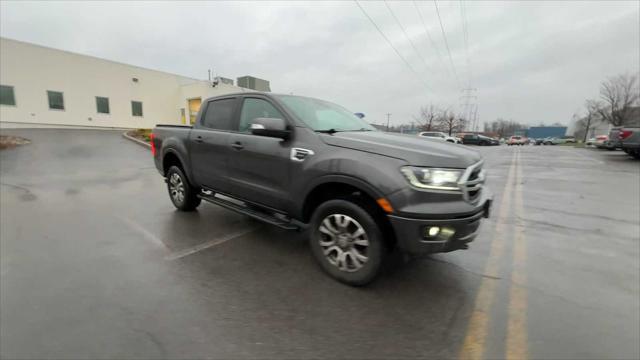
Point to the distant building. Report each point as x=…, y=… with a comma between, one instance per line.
x=254, y=83
x=541, y=132
x=45, y=87
x=223, y=80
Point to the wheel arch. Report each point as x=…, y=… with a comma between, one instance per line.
x=349, y=188
x=173, y=157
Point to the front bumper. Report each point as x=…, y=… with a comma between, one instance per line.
x=454, y=232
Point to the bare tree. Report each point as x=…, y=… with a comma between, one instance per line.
x=504, y=127
x=428, y=116
x=584, y=125
x=449, y=122
x=618, y=95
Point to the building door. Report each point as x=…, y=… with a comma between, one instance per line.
x=194, y=106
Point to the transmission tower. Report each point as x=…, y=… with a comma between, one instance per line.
x=469, y=103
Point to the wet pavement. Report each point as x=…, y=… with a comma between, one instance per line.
x=95, y=263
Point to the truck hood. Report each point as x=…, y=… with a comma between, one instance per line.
x=414, y=150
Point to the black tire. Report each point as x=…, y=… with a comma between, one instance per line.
x=635, y=154
x=183, y=196
x=350, y=272
x=484, y=143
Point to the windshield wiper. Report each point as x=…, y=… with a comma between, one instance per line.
x=330, y=131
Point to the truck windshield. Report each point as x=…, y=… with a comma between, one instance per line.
x=322, y=115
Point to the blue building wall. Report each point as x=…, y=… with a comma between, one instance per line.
x=537, y=132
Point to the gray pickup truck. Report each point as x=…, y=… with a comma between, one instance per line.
x=629, y=139
x=310, y=165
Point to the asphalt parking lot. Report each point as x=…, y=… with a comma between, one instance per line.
x=95, y=263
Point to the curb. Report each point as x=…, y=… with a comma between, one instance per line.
x=139, y=142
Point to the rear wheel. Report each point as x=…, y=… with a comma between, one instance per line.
x=347, y=242
x=635, y=154
x=183, y=196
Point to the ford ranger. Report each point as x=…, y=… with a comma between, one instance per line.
x=310, y=165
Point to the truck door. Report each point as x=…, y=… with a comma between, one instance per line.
x=209, y=143
x=259, y=166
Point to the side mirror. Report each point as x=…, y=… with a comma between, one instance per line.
x=270, y=127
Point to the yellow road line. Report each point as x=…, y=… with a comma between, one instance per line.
x=475, y=339
x=517, y=337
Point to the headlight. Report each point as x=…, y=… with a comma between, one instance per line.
x=433, y=179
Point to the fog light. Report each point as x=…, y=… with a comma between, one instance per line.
x=447, y=232
x=433, y=231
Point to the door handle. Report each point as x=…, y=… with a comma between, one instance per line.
x=199, y=139
x=237, y=145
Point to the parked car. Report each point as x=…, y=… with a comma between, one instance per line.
x=516, y=140
x=303, y=163
x=568, y=139
x=440, y=136
x=613, y=143
x=552, y=141
x=481, y=140
x=599, y=141
x=538, y=141
x=630, y=140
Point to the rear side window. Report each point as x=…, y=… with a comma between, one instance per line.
x=219, y=114
x=256, y=108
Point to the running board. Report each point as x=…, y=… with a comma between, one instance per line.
x=256, y=214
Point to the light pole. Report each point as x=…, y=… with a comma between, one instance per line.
x=388, y=116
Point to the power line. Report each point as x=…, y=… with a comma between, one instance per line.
x=444, y=36
x=465, y=33
x=428, y=35
x=405, y=34
x=393, y=47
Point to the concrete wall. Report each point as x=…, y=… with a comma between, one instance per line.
x=33, y=69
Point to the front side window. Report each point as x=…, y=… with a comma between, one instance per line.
x=136, y=108
x=102, y=105
x=219, y=114
x=256, y=108
x=56, y=100
x=322, y=115
x=7, y=97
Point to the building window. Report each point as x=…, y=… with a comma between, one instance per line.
x=56, y=100
x=102, y=105
x=7, y=97
x=136, y=108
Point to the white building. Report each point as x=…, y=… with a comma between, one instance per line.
x=45, y=87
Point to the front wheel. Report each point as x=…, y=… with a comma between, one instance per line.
x=347, y=242
x=183, y=196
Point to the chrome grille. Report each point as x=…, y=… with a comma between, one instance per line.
x=471, y=182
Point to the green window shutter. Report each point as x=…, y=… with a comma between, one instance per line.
x=136, y=108
x=56, y=100
x=7, y=97
x=102, y=105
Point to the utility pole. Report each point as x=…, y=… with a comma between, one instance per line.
x=388, y=116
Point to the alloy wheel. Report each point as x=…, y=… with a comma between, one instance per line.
x=344, y=242
x=176, y=188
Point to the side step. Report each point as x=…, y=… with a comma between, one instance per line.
x=256, y=214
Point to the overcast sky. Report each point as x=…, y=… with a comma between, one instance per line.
x=530, y=61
